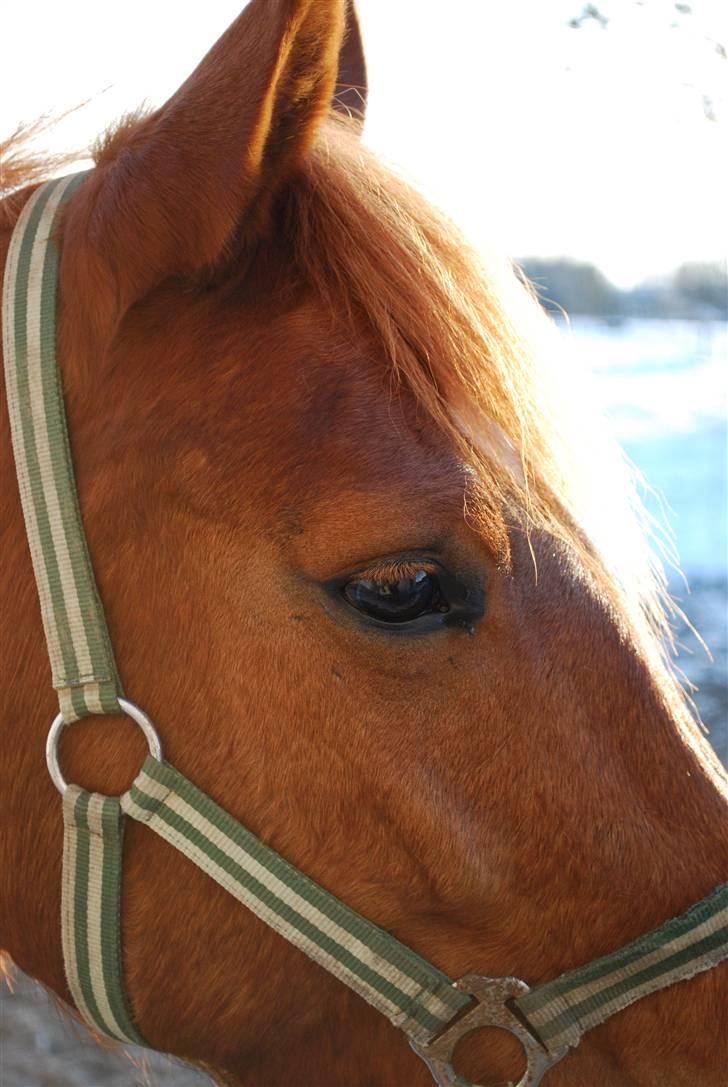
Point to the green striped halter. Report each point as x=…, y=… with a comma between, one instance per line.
x=432, y=1010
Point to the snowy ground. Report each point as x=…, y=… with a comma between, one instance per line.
x=40, y=1047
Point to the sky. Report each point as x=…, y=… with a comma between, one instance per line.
x=539, y=139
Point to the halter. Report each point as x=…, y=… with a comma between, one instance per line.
x=434, y=1011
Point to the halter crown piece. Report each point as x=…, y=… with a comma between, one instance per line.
x=433, y=1010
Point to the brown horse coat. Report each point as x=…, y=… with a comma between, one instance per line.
x=284, y=373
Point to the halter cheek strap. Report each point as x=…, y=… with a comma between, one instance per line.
x=82, y=661
x=93, y=829
x=432, y=1010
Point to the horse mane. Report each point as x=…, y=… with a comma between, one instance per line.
x=22, y=164
x=465, y=335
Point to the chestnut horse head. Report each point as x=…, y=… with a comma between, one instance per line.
x=348, y=564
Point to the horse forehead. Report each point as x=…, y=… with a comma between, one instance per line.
x=349, y=450
x=325, y=407
x=368, y=430
x=366, y=467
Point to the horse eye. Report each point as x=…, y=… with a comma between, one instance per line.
x=399, y=600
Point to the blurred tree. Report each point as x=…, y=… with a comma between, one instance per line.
x=589, y=11
x=576, y=287
x=693, y=292
x=704, y=287
x=699, y=23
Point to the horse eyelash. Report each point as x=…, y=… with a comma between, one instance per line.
x=386, y=572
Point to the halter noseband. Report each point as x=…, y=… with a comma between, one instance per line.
x=433, y=1011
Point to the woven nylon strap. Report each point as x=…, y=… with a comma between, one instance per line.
x=90, y=898
x=560, y=1011
x=82, y=662
x=412, y=993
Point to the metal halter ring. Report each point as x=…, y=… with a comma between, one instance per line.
x=129, y=708
x=491, y=1010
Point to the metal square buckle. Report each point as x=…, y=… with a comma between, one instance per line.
x=491, y=1010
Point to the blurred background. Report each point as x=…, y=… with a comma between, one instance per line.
x=588, y=142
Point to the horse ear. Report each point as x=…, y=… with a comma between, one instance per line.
x=350, y=97
x=205, y=166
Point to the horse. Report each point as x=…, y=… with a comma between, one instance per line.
x=349, y=563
